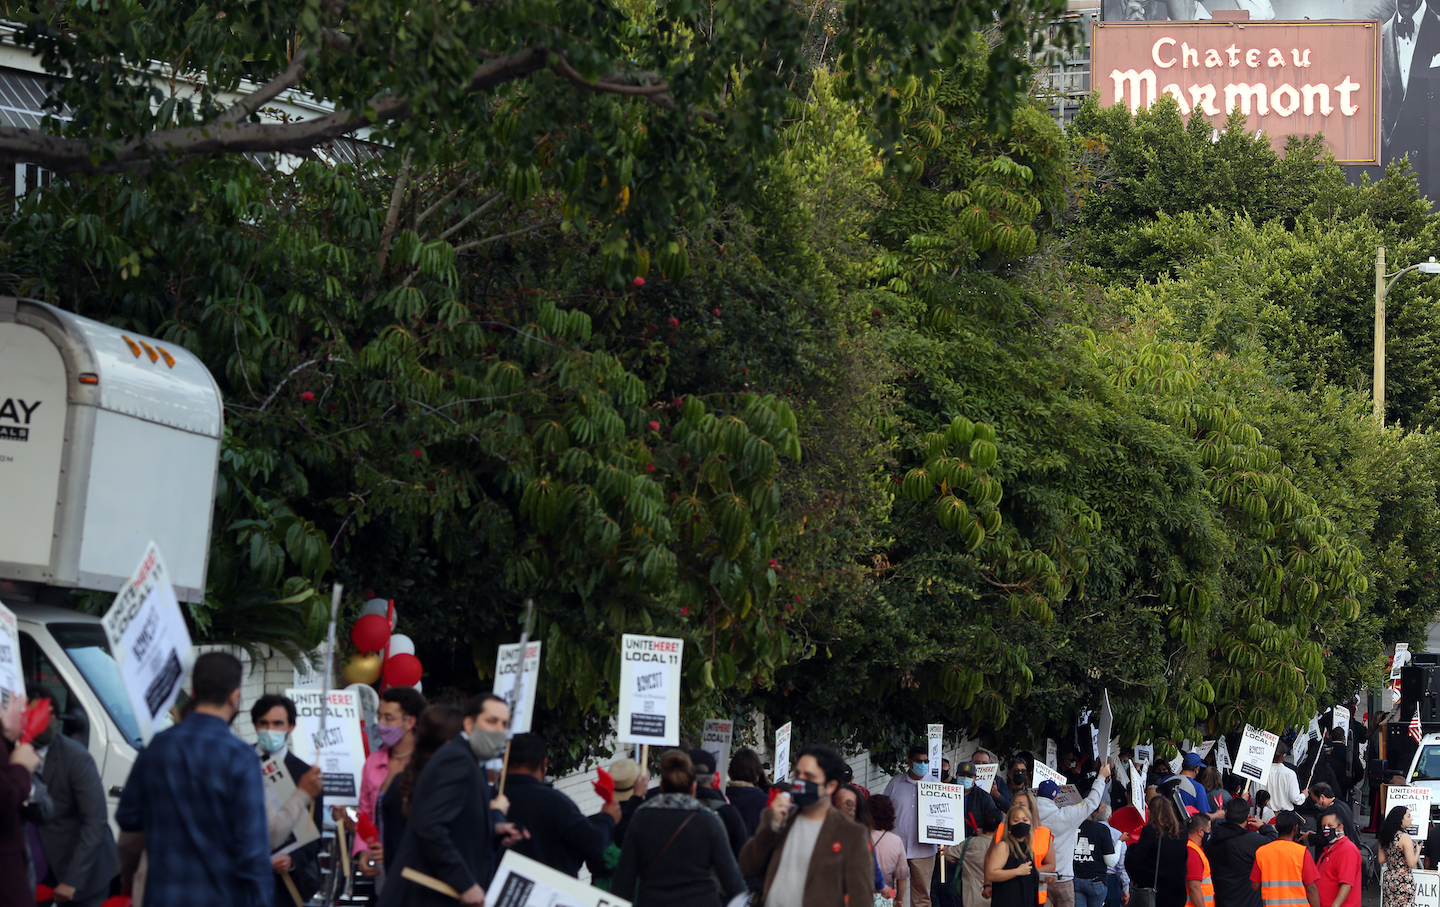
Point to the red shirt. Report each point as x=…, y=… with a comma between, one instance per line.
x=1195, y=868
x=1340, y=865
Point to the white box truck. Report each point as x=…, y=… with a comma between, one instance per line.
x=108, y=439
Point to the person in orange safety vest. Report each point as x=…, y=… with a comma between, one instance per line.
x=1199, y=889
x=1285, y=874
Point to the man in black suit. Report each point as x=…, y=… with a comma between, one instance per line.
x=1410, y=80
x=450, y=838
x=76, y=846
x=274, y=720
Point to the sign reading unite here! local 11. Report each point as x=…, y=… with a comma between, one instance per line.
x=650, y=689
x=149, y=640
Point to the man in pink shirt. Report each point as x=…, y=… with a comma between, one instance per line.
x=1339, y=865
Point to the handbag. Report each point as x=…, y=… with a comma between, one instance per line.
x=1145, y=897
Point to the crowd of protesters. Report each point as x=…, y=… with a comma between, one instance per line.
x=199, y=824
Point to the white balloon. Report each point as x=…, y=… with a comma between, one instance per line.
x=381, y=607
x=419, y=688
x=400, y=644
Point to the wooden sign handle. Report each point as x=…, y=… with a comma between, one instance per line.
x=429, y=881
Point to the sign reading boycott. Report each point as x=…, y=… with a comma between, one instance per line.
x=1257, y=748
x=507, y=669
x=342, y=754
x=1287, y=78
x=148, y=638
x=938, y=811
x=650, y=689
x=781, y=769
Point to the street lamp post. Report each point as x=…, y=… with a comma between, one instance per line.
x=1381, y=290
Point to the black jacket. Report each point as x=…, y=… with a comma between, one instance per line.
x=684, y=874
x=305, y=870
x=735, y=831
x=77, y=840
x=1231, y=851
x=451, y=831
x=750, y=802
x=561, y=836
x=1141, y=864
x=979, y=806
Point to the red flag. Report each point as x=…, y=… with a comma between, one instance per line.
x=604, y=785
x=1415, y=732
x=37, y=719
x=365, y=828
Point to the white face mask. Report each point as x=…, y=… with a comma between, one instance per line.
x=271, y=741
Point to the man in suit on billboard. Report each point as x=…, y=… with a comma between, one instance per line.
x=1410, y=81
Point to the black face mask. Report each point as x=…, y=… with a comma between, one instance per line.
x=1017, y=779
x=1331, y=835
x=804, y=793
x=1020, y=829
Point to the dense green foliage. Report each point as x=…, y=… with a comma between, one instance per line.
x=915, y=420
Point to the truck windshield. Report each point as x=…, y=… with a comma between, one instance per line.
x=1427, y=767
x=88, y=649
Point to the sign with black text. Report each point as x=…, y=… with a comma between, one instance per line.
x=523, y=882
x=940, y=812
x=341, y=753
x=507, y=670
x=715, y=740
x=781, y=769
x=1415, y=799
x=935, y=733
x=650, y=689
x=150, y=642
x=280, y=787
x=1257, y=748
x=11, y=683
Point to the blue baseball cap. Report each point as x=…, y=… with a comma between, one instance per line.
x=1048, y=789
x=1193, y=760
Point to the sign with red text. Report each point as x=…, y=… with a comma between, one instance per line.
x=650, y=689
x=340, y=753
x=1287, y=78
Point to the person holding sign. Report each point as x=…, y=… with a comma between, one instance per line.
x=197, y=802
x=1400, y=857
x=449, y=844
x=560, y=836
x=395, y=724
x=1010, y=870
x=274, y=719
x=1065, y=822
x=904, y=792
x=813, y=856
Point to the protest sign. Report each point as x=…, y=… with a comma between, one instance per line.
x=1257, y=748
x=781, y=768
x=1342, y=720
x=149, y=640
x=11, y=682
x=341, y=753
x=1137, y=788
x=1205, y=747
x=1415, y=799
x=650, y=689
x=1145, y=753
x=1068, y=795
x=985, y=776
x=1222, y=755
x=507, y=670
x=1045, y=773
x=523, y=882
x=305, y=673
x=1427, y=887
x=1176, y=763
x=940, y=812
x=935, y=733
x=279, y=787
x=716, y=741
x=1051, y=753
x=1401, y=659
x=1106, y=729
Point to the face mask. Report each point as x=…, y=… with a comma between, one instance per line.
x=1018, y=779
x=804, y=793
x=920, y=768
x=390, y=734
x=271, y=741
x=1020, y=829
x=1331, y=835
x=967, y=783
x=486, y=744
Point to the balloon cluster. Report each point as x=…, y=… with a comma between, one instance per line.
x=382, y=652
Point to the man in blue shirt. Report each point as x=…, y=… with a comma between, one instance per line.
x=1190, y=796
x=197, y=798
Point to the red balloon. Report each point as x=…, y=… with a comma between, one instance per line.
x=402, y=670
x=371, y=633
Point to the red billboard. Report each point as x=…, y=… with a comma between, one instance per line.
x=1287, y=77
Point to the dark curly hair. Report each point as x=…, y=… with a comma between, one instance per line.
x=882, y=812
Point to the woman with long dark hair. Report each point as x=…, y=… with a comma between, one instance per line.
x=676, y=850
x=1398, y=853
x=438, y=725
x=747, y=789
x=1159, y=859
x=1010, y=868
